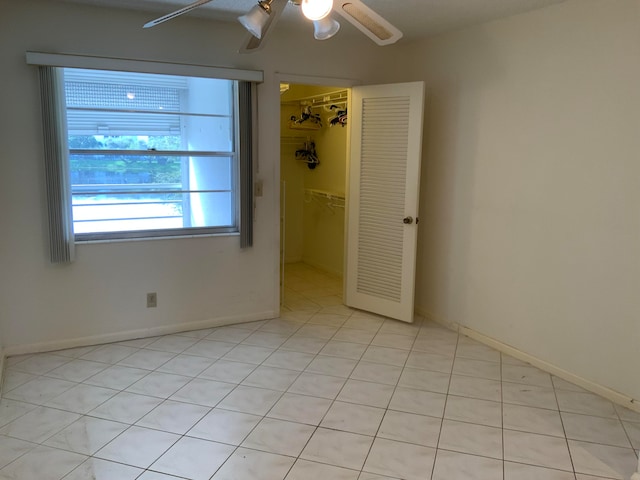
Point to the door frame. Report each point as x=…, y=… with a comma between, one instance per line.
x=275, y=91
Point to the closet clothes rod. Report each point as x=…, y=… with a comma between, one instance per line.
x=329, y=98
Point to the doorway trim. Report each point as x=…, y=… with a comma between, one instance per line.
x=279, y=78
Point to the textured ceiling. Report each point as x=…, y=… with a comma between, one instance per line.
x=415, y=18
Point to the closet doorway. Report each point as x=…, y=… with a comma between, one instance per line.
x=313, y=166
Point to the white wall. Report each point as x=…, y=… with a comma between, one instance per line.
x=530, y=205
x=103, y=292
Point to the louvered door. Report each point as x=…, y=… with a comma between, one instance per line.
x=384, y=181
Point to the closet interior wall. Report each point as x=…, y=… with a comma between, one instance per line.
x=313, y=199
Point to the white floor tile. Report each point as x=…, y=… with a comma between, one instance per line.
x=193, y=458
x=117, y=377
x=454, y=465
x=249, y=354
x=313, y=385
x=527, y=375
x=430, y=361
x=300, y=408
x=532, y=420
x=157, y=384
x=377, y=373
x=471, y=438
x=585, y=403
x=519, y=471
x=138, y=446
x=480, y=388
x=254, y=465
x=401, y=460
x=385, y=355
x=41, y=363
x=39, y=424
x=410, y=428
x=173, y=417
x=476, y=368
x=425, y=380
x=81, y=398
x=418, y=401
x=203, y=392
x=337, y=348
x=97, y=469
x=225, y=426
x=366, y=393
x=272, y=378
x=607, y=431
x=539, y=450
x=13, y=379
x=603, y=460
x=77, y=370
x=188, y=365
x=229, y=334
x=289, y=359
x=42, y=463
x=171, y=343
x=147, y=359
x=335, y=366
x=256, y=401
x=12, y=448
x=529, y=395
x=341, y=449
x=473, y=410
x=39, y=390
x=86, y=435
x=226, y=371
x=306, y=470
x=12, y=409
x=110, y=353
x=279, y=436
x=126, y=407
x=349, y=417
x=210, y=349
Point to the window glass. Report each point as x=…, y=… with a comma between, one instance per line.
x=150, y=154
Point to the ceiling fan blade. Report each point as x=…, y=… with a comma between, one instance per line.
x=368, y=22
x=253, y=44
x=175, y=14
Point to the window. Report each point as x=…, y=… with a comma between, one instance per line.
x=151, y=154
x=138, y=149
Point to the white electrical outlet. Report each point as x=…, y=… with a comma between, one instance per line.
x=152, y=300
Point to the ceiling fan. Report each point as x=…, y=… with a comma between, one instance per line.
x=259, y=21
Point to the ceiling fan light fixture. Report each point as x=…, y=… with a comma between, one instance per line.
x=316, y=9
x=325, y=28
x=256, y=19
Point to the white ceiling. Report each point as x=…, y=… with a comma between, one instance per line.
x=415, y=18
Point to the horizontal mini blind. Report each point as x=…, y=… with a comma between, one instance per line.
x=61, y=244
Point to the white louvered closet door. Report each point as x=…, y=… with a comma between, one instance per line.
x=384, y=182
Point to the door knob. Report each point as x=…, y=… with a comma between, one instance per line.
x=407, y=220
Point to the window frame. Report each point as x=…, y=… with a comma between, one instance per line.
x=61, y=237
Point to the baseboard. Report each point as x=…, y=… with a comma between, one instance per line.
x=133, y=334
x=606, y=392
x=434, y=318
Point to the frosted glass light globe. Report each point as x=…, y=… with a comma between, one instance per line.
x=316, y=9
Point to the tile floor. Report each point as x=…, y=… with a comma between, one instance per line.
x=323, y=392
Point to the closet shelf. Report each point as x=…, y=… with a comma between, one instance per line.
x=322, y=99
x=324, y=194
